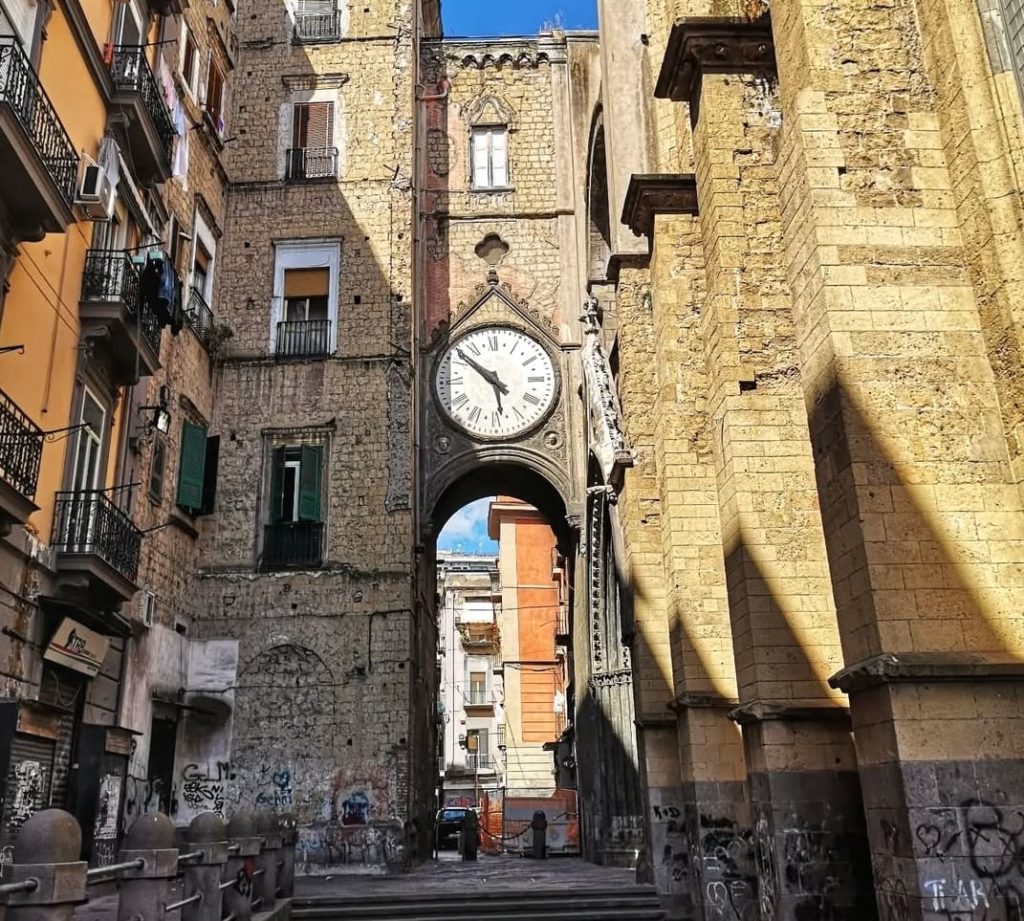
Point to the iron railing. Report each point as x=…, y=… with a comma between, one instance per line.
x=292, y=544
x=21, y=90
x=21, y=448
x=87, y=521
x=317, y=26
x=200, y=317
x=112, y=275
x=303, y=338
x=479, y=762
x=312, y=163
x=478, y=697
x=131, y=71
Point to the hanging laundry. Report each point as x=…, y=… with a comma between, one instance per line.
x=159, y=290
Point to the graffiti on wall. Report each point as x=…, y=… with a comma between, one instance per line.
x=670, y=846
x=726, y=865
x=108, y=806
x=274, y=788
x=203, y=787
x=30, y=783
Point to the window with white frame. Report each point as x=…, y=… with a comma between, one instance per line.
x=188, y=66
x=489, y=156
x=305, y=312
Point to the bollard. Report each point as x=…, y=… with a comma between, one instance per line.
x=46, y=879
x=469, y=838
x=286, y=872
x=540, y=834
x=243, y=849
x=143, y=890
x=265, y=885
x=208, y=834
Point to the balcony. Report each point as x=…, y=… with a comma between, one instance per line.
x=479, y=701
x=305, y=163
x=293, y=545
x=97, y=548
x=38, y=161
x=114, y=312
x=150, y=130
x=21, y=449
x=303, y=338
x=323, y=26
x=481, y=762
x=200, y=318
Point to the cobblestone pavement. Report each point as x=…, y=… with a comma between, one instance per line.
x=490, y=873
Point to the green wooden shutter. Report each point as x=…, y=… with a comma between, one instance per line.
x=276, y=485
x=309, y=483
x=192, y=466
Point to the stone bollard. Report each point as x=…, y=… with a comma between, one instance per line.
x=207, y=833
x=286, y=871
x=46, y=850
x=143, y=890
x=469, y=838
x=540, y=834
x=243, y=849
x=265, y=884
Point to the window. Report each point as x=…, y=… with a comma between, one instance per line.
x=312, y=154
x=317, y=21
x=189, y=60
x=478, y=687
x=215, y=95
x=478, y=746
x=197, y=470
x=90, y=444
x=201, y=270
x=293, y=536
x=157, y=466
x=305, y=302
x=490, y=157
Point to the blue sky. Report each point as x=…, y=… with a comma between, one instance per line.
x=466, y=530
x=521, y=17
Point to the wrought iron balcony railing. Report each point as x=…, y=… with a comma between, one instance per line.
x=21, y=90
x=297, y=338
x=111, y=275
x=312, y=163
x=481, y=762
x=131, y=71
x=292, y=545
x=87, y=522
x=318, y=26
x=21, y=448
x=479, y=698
x=200, y=317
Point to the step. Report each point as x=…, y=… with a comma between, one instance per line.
x=483, y=907
x=468, y=911
x=481, y=893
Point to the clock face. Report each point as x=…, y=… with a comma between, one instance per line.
x=496, y=382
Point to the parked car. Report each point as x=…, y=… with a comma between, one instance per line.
x=448, y=825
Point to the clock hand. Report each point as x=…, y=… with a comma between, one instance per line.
x=497, y=396
x=490, y=376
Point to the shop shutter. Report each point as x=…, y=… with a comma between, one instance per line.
x=28, y=784
x=192, y=467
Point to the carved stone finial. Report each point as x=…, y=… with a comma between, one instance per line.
x=591, y=316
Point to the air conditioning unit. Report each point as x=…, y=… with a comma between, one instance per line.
x=147, y=608
x=95, y=192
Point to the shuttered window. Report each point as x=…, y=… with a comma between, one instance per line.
x=490, y=157
x=296, y=483
x=313, y=125
x=192, y=468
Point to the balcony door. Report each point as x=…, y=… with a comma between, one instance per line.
x=79, y=522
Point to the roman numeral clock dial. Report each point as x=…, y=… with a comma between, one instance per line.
x=496, y=382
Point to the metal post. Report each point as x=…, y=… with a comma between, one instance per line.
x=208, y=835
x=243, y=849
x=540, y=834
x=46, y=851
x=286, y=873
x=265, y=887
x=143, y=890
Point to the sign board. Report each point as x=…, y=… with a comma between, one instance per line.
x=77, y=647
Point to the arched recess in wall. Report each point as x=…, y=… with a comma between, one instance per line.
x=599, y=232
x=284, y=693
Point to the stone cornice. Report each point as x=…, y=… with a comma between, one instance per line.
x=759, y=711
x=723, y=45
x=652, y=194
x=928, y=667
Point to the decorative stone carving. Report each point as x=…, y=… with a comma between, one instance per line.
x=608, y=440
x=650, y=195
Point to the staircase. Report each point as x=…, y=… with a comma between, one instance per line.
x=635, y=903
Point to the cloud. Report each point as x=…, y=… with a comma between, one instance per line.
x=466, y=530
